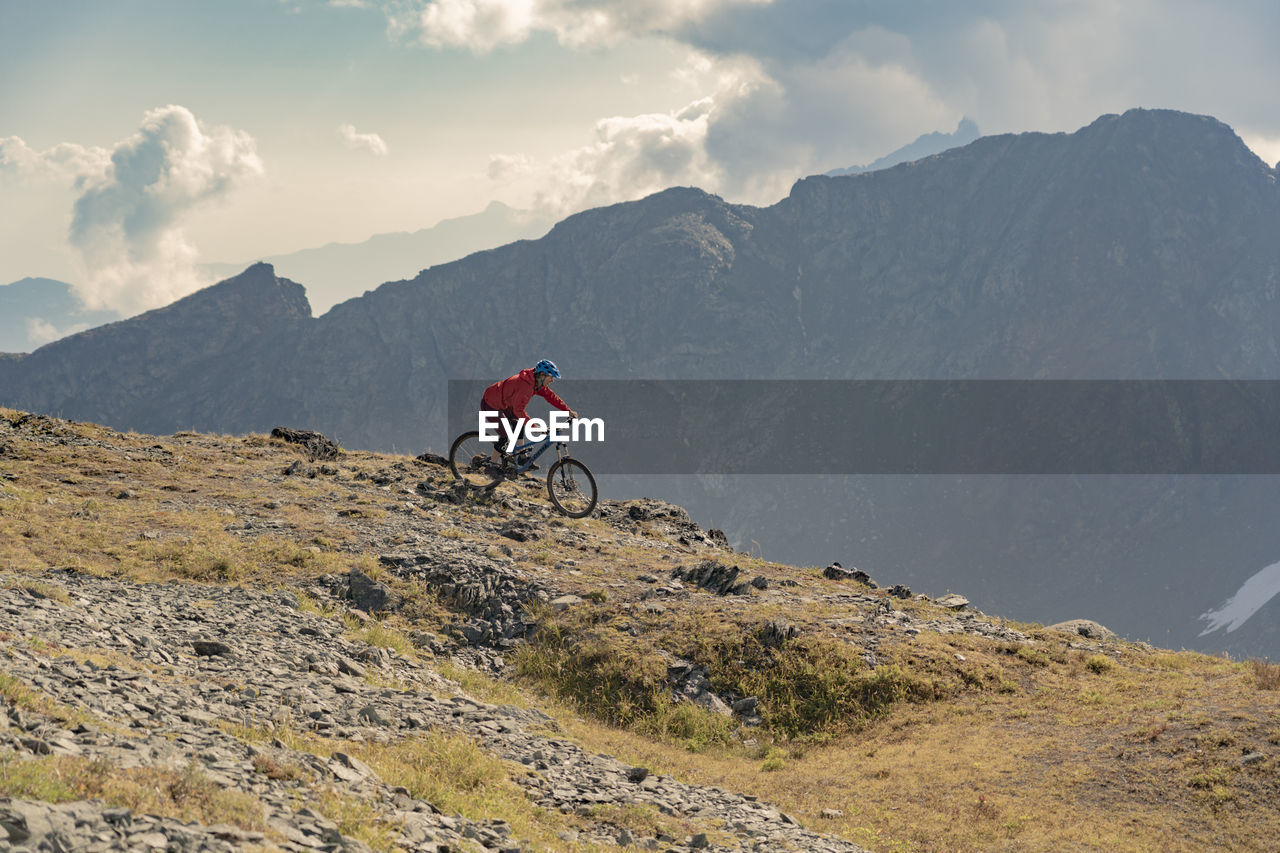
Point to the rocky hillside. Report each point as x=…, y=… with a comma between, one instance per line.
x=217, y=643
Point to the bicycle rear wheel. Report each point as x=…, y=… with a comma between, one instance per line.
x=572, y=488
x=468, y=460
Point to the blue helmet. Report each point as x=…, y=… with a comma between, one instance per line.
x=547, y=367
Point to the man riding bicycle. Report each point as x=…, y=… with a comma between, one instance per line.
x=508, y=397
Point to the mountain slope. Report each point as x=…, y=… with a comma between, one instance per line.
x=1140, y=246
x=1137, y=247
x=215, y=642
x=175, y=361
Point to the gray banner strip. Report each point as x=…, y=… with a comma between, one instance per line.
x=917, y=426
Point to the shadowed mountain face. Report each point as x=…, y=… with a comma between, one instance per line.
x=1141, y=246
x=177, y=365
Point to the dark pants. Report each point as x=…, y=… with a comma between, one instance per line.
x=507, y=420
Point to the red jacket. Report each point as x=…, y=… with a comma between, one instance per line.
x=514, y=392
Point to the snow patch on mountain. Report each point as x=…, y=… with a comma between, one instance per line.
x=1248, y=600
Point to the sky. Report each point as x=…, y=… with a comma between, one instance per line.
x=139, y=138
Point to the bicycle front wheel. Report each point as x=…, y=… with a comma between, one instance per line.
x=468, y=460
x=572, y=488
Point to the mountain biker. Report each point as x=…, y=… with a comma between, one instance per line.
x=509, y=396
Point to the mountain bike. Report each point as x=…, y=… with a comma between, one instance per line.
x=570, y=484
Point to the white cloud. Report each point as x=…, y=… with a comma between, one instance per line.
x=1266, y=147
x=482, y=25
x=506, y=167
x=128, y=224
x=370, y=142
x=634, y=156
x=41, y=332
x=631, y=156
x=863, y=98
x=62, y=162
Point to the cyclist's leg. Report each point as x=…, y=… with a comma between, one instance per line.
x=495, y=452
x=509, y=429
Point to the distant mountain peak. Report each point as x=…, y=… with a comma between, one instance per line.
x=337, y=272
x=35, y=311
x=923, y=146
x=258, y=288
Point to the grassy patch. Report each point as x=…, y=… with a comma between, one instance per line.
x=355, y=817
x=381, y=634
x=277, y=770
x=449, y=770
x=28, y=699
x=482, y=686
x=1098, y=664
x=812, y=687
x=183, y=794
x=43, y=590
x=1266, y=675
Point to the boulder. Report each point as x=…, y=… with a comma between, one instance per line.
x=316, y=445
x=776, y=633
x=1084, y=628
x=837, y=572
x=713, y=576
x=367, y=594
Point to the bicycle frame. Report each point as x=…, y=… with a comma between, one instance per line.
x=543, y=446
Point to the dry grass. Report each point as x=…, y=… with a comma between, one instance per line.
x=1265, y=674
x=447, y=769
x=187, y=795
x=26, y=698
x=1041, y=770
x=42, y=590
x=64, y=507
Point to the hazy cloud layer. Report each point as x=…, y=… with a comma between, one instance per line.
x=840, y=83
x=63, y=162
x=370, y=142
x=128, y=224
x=482, y=25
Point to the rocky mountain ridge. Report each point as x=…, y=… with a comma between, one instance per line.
x=1139, y=246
